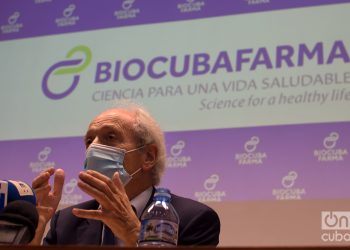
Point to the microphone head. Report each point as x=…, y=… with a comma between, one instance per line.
x=21, y=212
x=19, y=190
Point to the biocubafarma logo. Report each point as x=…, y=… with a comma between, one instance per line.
x=251, y=156
x=176, y=158
x=228, y=62
x=70, y=66
x=331, y=152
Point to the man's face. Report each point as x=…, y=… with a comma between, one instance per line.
x=114, y=128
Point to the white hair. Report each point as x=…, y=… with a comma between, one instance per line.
x=147, y=131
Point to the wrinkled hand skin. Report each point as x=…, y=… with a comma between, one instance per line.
x=116, y=211
x=47, y=198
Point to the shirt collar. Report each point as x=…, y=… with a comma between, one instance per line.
x=141, y=200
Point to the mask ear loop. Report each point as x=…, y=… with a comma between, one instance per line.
x=131, y=176
x=135, y=172
x=132, y=150
x=135, y=149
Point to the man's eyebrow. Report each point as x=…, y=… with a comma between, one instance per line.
x=88, y=133
x=114, y=128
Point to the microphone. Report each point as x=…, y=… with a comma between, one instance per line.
x=18, y=222
x=15, y=190
x=18, y=214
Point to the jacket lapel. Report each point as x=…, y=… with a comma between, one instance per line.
x=89, y=231
x=149, y=201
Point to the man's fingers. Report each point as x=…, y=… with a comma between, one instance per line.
x=103, y=185
x=42, y=178
x=123, y=197
x=118, y=183
x=46, y=212
x=58, y=182
x=102, y=178
x=101, y=197
x=42, y=192
x=87, y=214
x=43, y=189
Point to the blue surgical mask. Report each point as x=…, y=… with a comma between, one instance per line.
x=108, y=160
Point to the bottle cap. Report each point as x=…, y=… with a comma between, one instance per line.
x=162, y=192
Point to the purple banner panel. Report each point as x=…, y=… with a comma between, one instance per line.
x=287, y=162
x=263, y=163
x=23, y=19
x=24, y=160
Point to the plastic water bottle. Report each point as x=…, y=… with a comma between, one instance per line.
x=159, y=222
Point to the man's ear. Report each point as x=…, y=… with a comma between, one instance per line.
x=150, y=157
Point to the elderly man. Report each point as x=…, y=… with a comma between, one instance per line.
x=129, y=136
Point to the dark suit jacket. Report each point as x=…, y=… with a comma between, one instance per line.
x=199, y=225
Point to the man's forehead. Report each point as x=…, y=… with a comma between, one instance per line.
x=114, y=116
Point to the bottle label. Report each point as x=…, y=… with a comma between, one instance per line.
x=159, y=230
